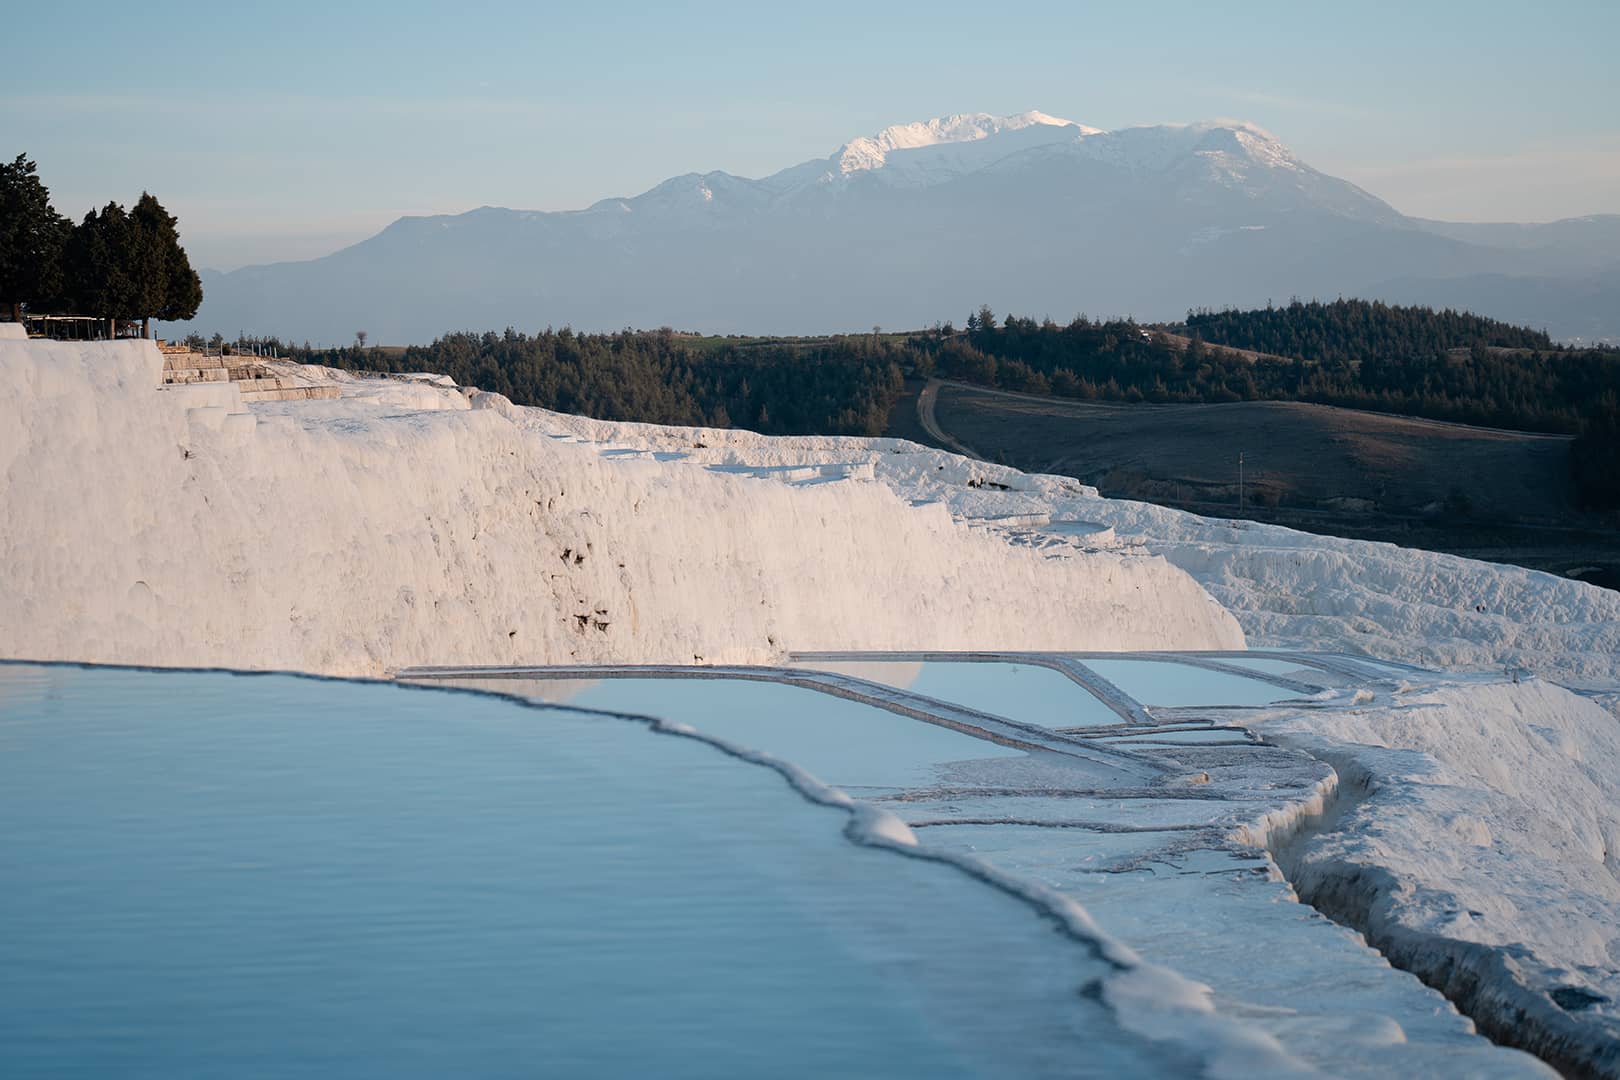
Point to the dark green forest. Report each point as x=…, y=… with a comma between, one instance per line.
x=1412, y=361
x=1459, y=375
x=844, y=385
x=1351, y=330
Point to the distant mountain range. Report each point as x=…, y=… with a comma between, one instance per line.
x=923, y=222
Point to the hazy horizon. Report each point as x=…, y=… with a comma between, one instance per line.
x=289, y=133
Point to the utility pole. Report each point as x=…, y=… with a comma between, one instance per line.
x=1240, y=483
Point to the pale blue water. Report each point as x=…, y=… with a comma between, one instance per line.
x=1029, y=693
x=1391, y=668
x=841, y=742
x=207, y=874
x=1167, y=683
x=1289, y=668
x=1210, y=735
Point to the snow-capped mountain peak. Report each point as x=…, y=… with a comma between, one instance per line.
x=1229, y=146
x=871, y=151
x=928, y=152
x=923, y=220
x=1245, y=140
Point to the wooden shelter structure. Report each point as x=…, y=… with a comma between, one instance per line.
x=79, y=328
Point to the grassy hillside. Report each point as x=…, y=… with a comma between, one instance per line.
x=1486, y=493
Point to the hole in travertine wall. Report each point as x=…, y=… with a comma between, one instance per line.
x=141, y=599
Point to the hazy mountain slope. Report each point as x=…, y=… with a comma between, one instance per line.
x=1584, y=306
x=918, y=223
x=1569, y=245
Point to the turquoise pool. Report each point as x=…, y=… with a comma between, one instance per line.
x=1029, y=693
x=211, y=874
x=1171, y=684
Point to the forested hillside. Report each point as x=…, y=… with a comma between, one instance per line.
x=1412, y=361
x=844, y=385
x=1351, y=330
x=1422, y=374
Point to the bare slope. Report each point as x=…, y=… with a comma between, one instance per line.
x=1482, y=492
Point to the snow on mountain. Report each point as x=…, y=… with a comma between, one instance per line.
x=905, y=155
x=935, y=151
x=1154, y=148
x=922, y=222
x=871, y=153
x=868, y=152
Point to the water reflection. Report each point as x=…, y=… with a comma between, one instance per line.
x=207, y=873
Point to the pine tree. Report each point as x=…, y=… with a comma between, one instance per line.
x=32, y=237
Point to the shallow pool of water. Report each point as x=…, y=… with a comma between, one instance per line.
x=1215, y=736
x=1029, y=693
x=206, y=873
x=845, y=743
x=1398, y=670
x=1292, y=669
x=1172, y=684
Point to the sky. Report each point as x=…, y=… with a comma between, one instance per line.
x=284, y=131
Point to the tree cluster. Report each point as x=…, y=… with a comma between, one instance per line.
x=1442, y=365
x=1545, y=389
x=116, y=264
x=842, y=385
x=1351, y=330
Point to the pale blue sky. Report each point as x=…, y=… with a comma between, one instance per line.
x=286, y=131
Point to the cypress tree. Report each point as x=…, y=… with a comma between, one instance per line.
x=146, y=260
x=166, y=286
x=32, y=237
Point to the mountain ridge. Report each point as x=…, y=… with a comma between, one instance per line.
x=919, y=222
